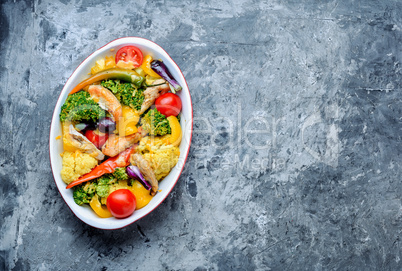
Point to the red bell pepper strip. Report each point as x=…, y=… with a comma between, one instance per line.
x=114, y=73
x=109, y=166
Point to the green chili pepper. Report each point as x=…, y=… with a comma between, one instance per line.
x=121, y=74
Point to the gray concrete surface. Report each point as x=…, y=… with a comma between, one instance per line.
x=296, y=154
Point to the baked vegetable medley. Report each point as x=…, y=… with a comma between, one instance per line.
x=121, y=132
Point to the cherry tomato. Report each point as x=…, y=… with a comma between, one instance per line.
x=121, y=203
x=129, y=54
x=169, y=104
x=96, y=137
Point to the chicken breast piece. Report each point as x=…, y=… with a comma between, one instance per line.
x=106, y=100
x=152, y=93
x=82, y=143
x=116, y=144
x=146, y=170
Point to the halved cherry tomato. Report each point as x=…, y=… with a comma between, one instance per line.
x=169, y=104
x=121, y=203
x=129, y=57
x=96, y=137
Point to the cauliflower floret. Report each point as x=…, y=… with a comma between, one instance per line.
x=161, y=157
x=163, y=160
x=76, y=164
x=151, y=142
x=103, y=64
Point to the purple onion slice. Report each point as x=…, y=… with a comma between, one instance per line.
x=135, y=173
x=82, y=127
x=160, y=68
x=106, y=125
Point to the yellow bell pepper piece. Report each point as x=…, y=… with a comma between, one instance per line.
x=129, y=129
x=146, y=66
x=127, y=125
x=98, y=208
x=175, y=137
x=67, y=146
x=142, y=196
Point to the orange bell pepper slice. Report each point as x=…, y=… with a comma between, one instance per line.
x=109, y=166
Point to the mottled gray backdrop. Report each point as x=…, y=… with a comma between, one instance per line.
x=295, y=161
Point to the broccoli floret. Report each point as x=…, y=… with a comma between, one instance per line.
x=102, y=190
x=90, y=187
x=80, y=196
x=104, y=183
x=106, y=179
x=112, y=85
x=80, y=107
x=126, y=93
x=120, y=174
x=83, y=193
x=155, y=123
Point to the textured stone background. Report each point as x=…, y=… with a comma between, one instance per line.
x=317, y=187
